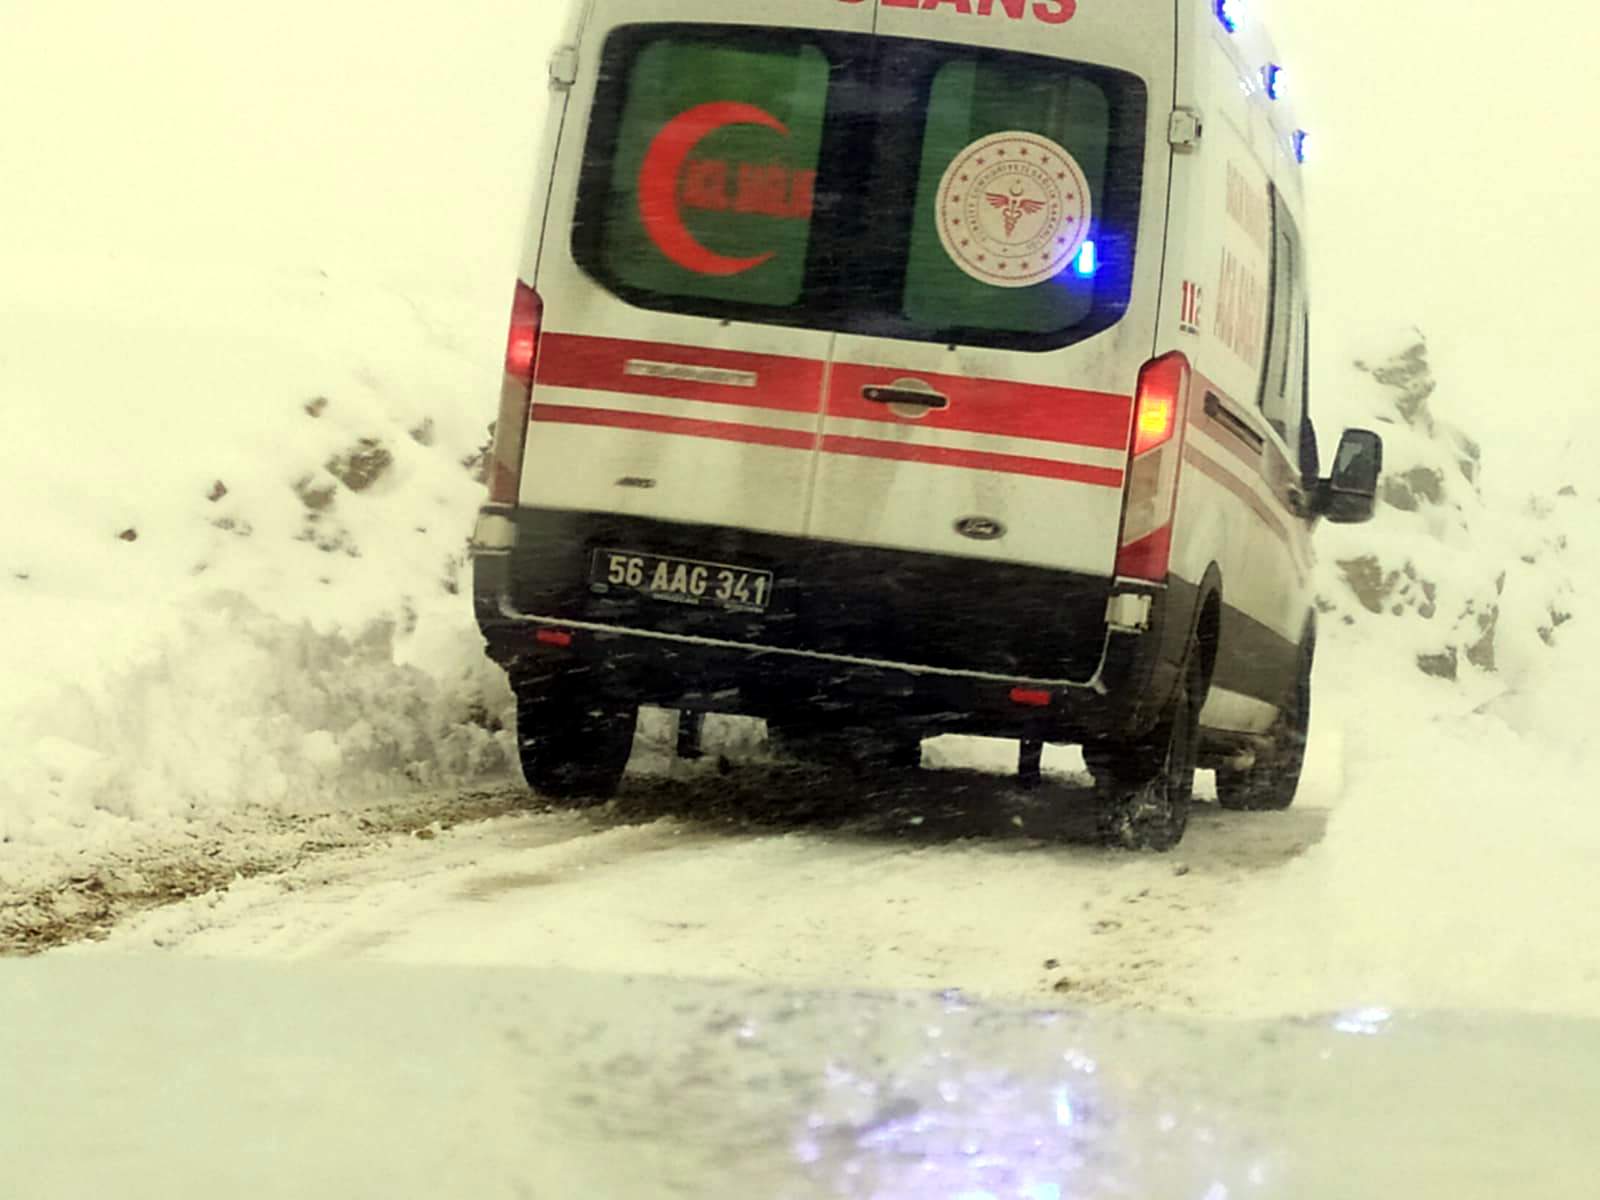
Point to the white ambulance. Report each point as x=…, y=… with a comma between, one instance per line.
x=884, y=368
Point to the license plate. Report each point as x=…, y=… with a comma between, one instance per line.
x=681, y=580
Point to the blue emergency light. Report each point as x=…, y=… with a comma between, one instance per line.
x=1088, y=261
x=1230, y=13
x=1301, y=139
x=1272, y=77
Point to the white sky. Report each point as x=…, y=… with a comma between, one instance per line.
x=389, y=140
x=1454, y=185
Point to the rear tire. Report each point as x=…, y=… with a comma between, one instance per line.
x=573, y=745
x=1271, y=782
x=1147, y=788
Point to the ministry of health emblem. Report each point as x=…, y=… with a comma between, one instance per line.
x=1014, y=209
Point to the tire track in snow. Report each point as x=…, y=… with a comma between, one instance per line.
x=938, y=880
x=54, y=902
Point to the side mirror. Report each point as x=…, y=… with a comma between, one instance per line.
x=1350, y=495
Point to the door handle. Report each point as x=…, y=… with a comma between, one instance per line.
x=912, y=393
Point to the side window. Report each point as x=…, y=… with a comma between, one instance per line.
x=1283, y=400
x=1310, y=454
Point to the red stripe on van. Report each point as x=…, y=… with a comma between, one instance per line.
x=1068, y=416
x=1222, y=475
x=722, y=431
x=602, y=365
x=973, y=460
x=1265, y=462
x=793, y=439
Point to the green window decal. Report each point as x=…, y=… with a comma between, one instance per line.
x=715, y=171
x=978, y=111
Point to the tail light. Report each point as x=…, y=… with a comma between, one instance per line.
x=1155, y=460
x=527, y=310
x=516, y=396
x=1163, y=385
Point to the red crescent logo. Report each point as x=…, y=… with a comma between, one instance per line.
x=662, y=171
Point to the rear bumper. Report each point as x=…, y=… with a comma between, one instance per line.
x=938, y=641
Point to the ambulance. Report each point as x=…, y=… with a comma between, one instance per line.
x=891, y=368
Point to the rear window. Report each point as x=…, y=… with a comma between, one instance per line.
x=883, y=186
x=712, y=182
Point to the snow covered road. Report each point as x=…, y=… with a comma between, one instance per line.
x=1373, y=890
x=936, y=880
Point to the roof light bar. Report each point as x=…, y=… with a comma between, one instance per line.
x=1229, y=12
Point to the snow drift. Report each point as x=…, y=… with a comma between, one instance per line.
x=241, y=578
x=1453, y=686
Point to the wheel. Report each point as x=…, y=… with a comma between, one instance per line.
x=853, y=747
x=1146, y=788
x=573, y=745
x=1271, y=782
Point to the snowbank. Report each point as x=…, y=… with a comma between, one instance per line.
x=240, y=709
x=241, y=573
x=251, y=320
x=1455, y=675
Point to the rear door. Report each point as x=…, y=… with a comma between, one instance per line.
x=674, y=382
x=1013, y=270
